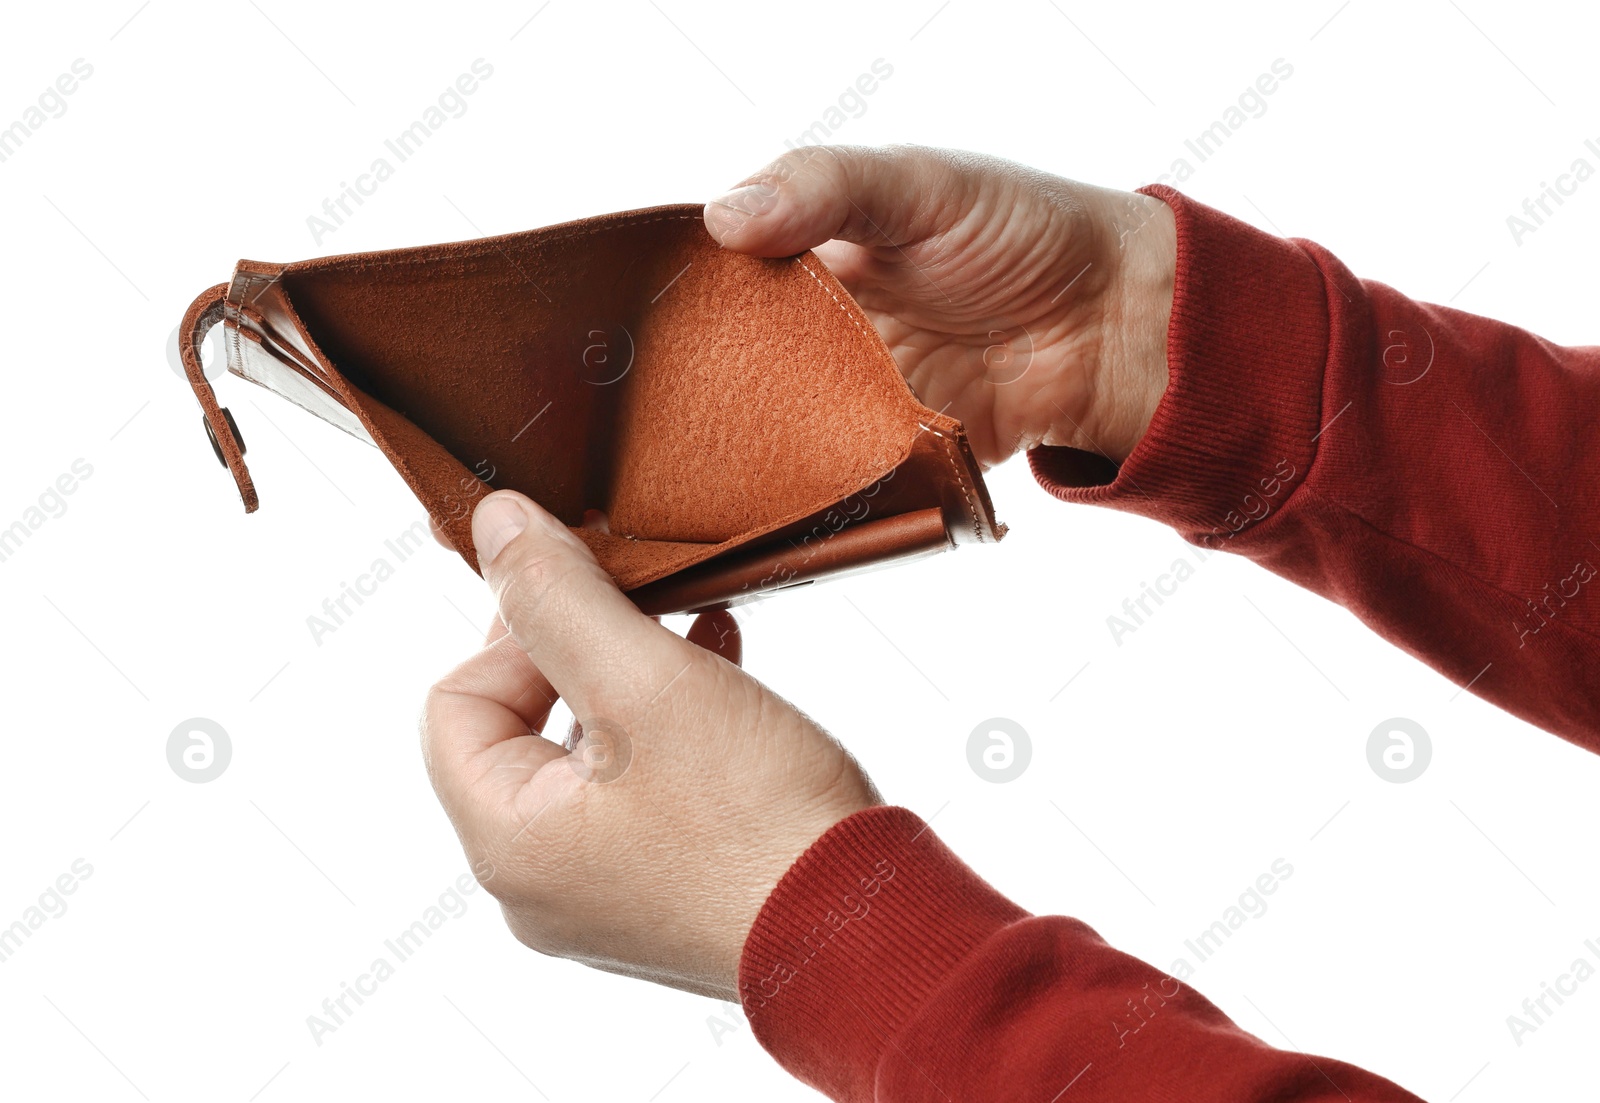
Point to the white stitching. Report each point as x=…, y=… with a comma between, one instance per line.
x=831, y=295
x=957, y=465
x=238, y=353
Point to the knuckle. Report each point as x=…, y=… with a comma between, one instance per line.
x=823, y=163
x=433, y=720
x=786, y=166
x=533, y=581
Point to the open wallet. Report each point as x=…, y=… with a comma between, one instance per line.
x=714, y=426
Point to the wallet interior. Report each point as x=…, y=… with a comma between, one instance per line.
x=627, y=367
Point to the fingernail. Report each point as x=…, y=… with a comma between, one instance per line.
x=729, y=212
x=495, y=523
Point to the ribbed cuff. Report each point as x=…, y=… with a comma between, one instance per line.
x=854, y=939
x=1247, y=348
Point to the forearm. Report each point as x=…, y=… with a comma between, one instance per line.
x=883, y=969
x=1431, y=470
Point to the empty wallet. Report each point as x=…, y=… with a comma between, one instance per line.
x=736, y=421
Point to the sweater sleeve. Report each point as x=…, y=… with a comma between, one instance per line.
x=1435, y=472
x=883, y=970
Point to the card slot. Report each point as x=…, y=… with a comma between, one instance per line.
x=283, y=356
x=754, y=570
x=278, y=345
x=252, y=358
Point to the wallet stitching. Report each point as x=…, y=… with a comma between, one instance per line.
x=244, y=296
x=831, y=295
x=956, y=465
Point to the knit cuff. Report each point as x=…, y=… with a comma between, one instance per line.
x=1247, y=347
x=854, y=939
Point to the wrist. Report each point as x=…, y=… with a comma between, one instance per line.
x=1133, y=375
x=855, y=940
x=787, y=839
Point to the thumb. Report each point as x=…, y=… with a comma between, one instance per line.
x=870, y=196
x=598, y=651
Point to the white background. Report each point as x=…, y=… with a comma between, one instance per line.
x=219, y=916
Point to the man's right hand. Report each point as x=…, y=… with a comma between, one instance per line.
x=1031, y=307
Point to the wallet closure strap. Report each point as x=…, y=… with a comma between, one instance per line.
x=203, y=314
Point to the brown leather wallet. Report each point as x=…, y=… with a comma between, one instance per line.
x=736, y=421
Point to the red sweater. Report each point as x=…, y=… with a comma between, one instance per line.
x=1432, y=471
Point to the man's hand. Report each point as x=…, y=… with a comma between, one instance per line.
x=1031, y=307
x=648, y=847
